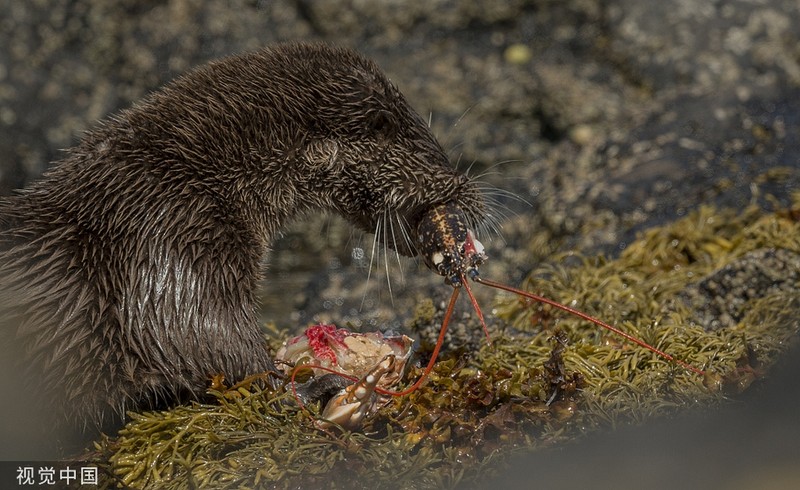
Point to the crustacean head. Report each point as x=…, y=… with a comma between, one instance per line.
x=447, y=245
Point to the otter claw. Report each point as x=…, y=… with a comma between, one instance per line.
x=350, y=406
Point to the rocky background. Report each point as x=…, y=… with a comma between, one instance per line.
x=593, y=119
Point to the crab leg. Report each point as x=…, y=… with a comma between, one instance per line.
x=349, y=408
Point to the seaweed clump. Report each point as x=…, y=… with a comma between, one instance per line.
x=546, y=378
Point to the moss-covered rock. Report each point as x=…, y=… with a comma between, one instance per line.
x=547, y=377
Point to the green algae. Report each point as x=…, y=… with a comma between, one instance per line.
x=546, y=378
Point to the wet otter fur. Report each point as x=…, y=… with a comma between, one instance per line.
x=129, y=271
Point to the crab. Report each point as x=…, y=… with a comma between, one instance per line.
x=375, y=360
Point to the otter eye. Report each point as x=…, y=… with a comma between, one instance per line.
x=382, y=125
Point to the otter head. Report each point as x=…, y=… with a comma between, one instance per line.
x=373, y=157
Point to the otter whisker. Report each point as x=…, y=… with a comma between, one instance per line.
x=405, y=231
x=494, y=215
x=371, y=261
x=493, y=169
x=463, y=115
x=446, y=138
x=386, y=256
x=495, y=201
x=453, y=149
x=498, y=209
x=469, y=168
x=492, y=191
x=490, y=226
x=394, y=241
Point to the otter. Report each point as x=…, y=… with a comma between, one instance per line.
x=129, y=270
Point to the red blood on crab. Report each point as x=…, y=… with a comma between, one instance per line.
x=322, y=339
x=322, y=347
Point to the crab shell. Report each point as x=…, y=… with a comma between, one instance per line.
x=377, y=360
x=341, y=350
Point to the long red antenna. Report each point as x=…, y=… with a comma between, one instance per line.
x=434, y=355
x=586, y=317
x=477, y=309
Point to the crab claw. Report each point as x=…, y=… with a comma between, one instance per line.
x=351, y=405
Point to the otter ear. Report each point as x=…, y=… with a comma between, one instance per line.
x=377, y=93
x=382, y=124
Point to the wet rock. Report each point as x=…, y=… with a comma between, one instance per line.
x=721, y=299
